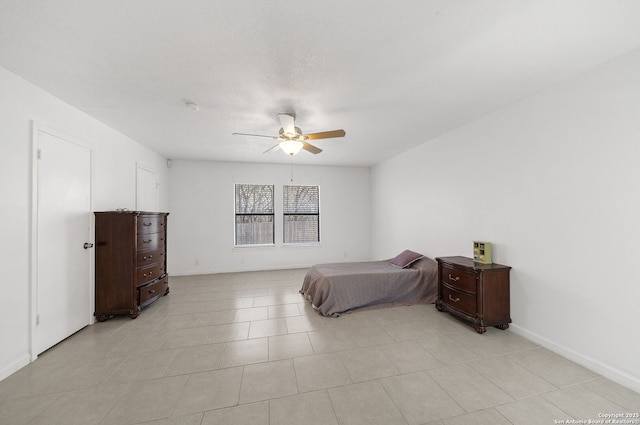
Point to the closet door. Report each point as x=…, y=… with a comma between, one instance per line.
x=147, y=189
x=62, y=289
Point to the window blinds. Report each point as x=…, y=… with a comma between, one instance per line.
x=254, y=214
x=301, y=214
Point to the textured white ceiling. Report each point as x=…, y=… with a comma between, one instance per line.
x=392, y=73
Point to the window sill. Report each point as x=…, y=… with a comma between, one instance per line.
x=302, y=245
x=267, y=245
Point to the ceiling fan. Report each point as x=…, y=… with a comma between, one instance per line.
x=292, y=140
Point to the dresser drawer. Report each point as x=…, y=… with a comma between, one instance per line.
x=145, y=258
x=150, y=242
x=150, y=224
x=459, y=300
x=149, y=292
x=458, y=279
x=147, y=274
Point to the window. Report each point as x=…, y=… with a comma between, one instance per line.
x=254, y=214
x=301, y=214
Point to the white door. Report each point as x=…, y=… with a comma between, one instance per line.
x=63, y=271
x=147, y=189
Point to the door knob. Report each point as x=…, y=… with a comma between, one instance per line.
x=87, y=245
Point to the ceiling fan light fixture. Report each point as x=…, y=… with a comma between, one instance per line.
x=291, y=147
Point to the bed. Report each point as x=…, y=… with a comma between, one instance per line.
x=337, y=288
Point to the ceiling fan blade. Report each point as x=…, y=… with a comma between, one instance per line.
x=272, y=148
x=288, y=122
x=325, y=135
x=254, y=135
x=310, y=148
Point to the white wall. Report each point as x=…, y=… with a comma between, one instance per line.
x=554, y=183
x=201, y=224
x=115, y=158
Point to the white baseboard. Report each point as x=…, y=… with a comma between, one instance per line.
x=596, y=366
x=15, y=366
x=237, y=270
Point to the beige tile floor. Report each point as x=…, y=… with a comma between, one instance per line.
x=245, y=348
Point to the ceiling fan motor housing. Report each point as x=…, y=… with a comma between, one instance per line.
x=288, y=136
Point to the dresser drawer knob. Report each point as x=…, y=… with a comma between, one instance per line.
x=147, y=224
x=147, y=240
x=455, y=300
x=148, y=258
x=145, y=275
x=454, y=278
x=152, y=291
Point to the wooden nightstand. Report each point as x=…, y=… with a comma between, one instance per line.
x=475, y=292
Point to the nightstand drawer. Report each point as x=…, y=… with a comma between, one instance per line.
x=458, y=279
x=459, y=300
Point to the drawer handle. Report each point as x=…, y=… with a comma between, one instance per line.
x=147, y=224
x=145, y=275
x=148, y=258
x=147, y=240
x=454, y=278
x=152, y=291
x=455, y=300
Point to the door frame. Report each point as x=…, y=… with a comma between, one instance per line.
x=36, y=128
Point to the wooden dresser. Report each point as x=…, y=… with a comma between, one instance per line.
x=475, y=292
x=131, y=263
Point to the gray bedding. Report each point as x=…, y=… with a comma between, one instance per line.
x=337, y=288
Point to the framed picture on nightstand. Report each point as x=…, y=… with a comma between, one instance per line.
x=482, y=252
